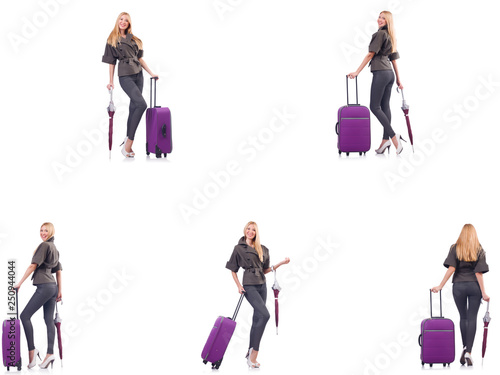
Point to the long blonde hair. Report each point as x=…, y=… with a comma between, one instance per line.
x=390, y=28
x=467, y=245
x=115, y=35
x=256, y=240
x=50, y=229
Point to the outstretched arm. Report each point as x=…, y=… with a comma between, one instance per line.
x=146, y=68
x=286, y=261
x=447, y=275
x=29, y=271
x=365, y=61
x=480, y=280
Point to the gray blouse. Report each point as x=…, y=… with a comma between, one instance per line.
x=382, y=46
x=466, y=271
x=46, y=258
x=246, y=257
x=128, y=53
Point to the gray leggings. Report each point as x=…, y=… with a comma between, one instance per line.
x=462, y=292
x=380, y=97
x=45, y=295
x=132, y=85
x=256, y=296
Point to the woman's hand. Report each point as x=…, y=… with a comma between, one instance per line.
x=110, y=86
x=17, y=286
x=353, y=75
x=486, y=297
x=286, y=261
x=59, y=297
x=400, y=85
x=436, y=289
x=155, y=76
x=241, y=290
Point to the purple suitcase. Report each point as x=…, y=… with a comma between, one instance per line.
x=219, y=338
x=353, y=126
x=11, y=341
x=158, y=127
x=437, y=339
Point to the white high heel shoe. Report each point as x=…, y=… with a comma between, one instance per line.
x=49, y=361
x=386, y=145
x=400, y=145
x=468, y=359
x=33, y=362
x=124, y=152
x=249, y=362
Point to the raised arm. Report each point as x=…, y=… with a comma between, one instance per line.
x=365, y=61
x=480, y=280
x=286, y=261
x=238, y=284
x=447, y=275
x=31, y=268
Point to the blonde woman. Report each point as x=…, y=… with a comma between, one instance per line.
x=382, y=53
x=467, y=261
x=124, y=46
x=253, y=257
x=45, y=262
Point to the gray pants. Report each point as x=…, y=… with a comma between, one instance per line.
x=380, y=97
x=45, y=295
x=257, y=295
x=467, y=295
x=132, y=85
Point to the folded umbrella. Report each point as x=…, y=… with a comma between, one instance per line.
x=486, y=321
x=276, y=289
x=406, y=108
x=111, y=113
x=57, y=322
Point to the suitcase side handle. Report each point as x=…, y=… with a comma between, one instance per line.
x=440, y=305
x=238, y=307
x=347, y=89
x=337, y=128
x=420, y=339
x=151, y=92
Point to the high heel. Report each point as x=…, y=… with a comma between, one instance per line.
x=33, y=362
x=249, y=362
x=124, y=152
x=386, y=145
x=468, y=359
x=48, y=361
x=462, y=357
x=400, y=145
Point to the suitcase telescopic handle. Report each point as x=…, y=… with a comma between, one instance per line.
x=151, y=92
x=440, y=305
x=238, y=306
x=347, y=88
x=17, y=308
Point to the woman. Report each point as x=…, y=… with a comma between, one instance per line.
x=45, y=262
x=467, y=260
x=124, y=46
x=254, y=258
x=382, y=49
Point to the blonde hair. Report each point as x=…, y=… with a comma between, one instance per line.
x=467, y=245
x=256, y=240
x=50, y=229
x=114, y=37
x=390, y=29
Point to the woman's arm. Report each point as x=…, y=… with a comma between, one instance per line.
x=238, y=284
x=480, y=280
x=111, y=77
x=146, y=68
x=366, y=60
x=447, y=275
x=286, y=261
x=59, y=285
x=32, y=267
x=398, y=81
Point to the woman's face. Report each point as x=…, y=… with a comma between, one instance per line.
x=381, y=20
x=123, y=23
x=44, y=233
x=250, y=232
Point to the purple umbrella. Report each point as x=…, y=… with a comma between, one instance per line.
x=111, y=113
x=486, y=321
x=57, y=322
x=276, y=289
x=406, y=108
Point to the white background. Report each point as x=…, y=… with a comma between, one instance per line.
x=354, y=310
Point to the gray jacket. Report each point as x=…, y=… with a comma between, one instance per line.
x=246, y=257
x=128, y=53
x=382, y=46
x=46, y=258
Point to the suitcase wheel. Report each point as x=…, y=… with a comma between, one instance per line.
x=347, y=153
x=430, y=364
x=147, y=152
x=165, y=154
x=204, y=361
x=423, y=364
x=340, y=152
x=158, y=151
